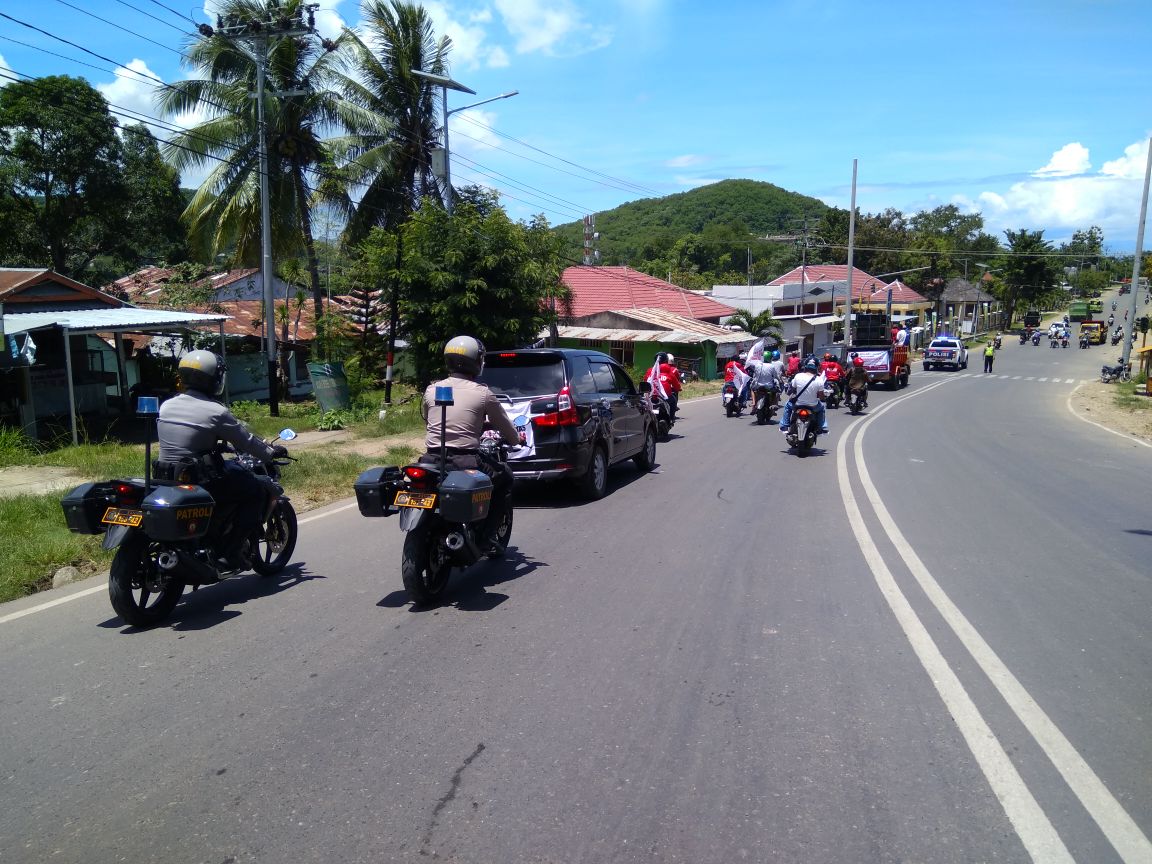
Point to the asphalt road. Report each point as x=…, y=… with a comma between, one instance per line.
x=926, y=642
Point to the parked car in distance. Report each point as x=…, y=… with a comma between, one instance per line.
x=945, y=351
x=579, y=413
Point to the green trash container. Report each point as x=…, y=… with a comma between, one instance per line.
x=329, y=385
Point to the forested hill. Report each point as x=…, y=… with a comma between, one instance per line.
x=643, y=230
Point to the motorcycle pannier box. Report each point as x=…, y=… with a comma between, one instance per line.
x=465, y=496
x=177, y=512
x=376, y=490
x=85, y=505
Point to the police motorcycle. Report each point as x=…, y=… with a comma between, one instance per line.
x=442, y=512
x=1121, y=371
x=159, y=527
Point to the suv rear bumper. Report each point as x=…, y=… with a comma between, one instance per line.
x=573, y=463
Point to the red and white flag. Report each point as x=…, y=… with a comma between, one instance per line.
x=654, y=380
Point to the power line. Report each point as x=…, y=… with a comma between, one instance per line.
x=160, y=20
x=118, y=27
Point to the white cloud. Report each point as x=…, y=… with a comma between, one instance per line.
x=1061, y=204
x=6, y=70
x=551, y=27
x=686, y=161
x=1069, y=160
x=472, y=129
x=471, y=45
x=133, y=88
x=1131, y=165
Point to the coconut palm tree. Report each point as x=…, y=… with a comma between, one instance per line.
x=224, y=214
x=390, y=117
x=764, y=325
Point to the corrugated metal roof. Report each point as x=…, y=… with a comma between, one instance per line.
x=106, y=320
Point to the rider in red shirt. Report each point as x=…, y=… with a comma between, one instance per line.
x=729, y=366
x=793, y=364
x=831, y=368
x=670, y=378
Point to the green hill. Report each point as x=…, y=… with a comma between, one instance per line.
x=723, y=213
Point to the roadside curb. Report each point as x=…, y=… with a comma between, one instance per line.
x=1079, y=416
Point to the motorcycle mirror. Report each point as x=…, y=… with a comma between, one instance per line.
x=645, y=386
x=286, y=435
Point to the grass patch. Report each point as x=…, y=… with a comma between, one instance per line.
x=321, y=476
x=1130, y=396
x=45, y=544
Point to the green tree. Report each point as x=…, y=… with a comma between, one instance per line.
x=473, y=272
x=153, y=230
x=1028, y=271
x=390, y=117
x=61, y=162
x=224, y=214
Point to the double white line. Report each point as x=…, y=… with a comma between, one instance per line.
x=1037, y=833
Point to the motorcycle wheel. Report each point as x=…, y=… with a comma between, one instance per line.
x=425, y=565
x=134, y=589
x=662, y=430
x=274, y=549
x=503, y=533
x=732, y=408
x=1125, y=376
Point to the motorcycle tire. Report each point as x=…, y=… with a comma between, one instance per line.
x=426, y=564
x=277, y=542
x=733, y=408
x=662, y=430
x=503, y=534
x=1125, y=376
x=132, y=586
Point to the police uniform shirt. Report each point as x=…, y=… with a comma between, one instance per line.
x=191, y=424
x=473, y=403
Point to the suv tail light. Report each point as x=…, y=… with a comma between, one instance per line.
x=564, y=415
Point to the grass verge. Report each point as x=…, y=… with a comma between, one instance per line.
x=37, y=543
x=1130, y=396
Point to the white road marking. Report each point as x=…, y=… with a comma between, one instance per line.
x=1041, y=379
x=1070, y=381
x=1030, y=378
x=1036, y=832
x=31, y=610
x=1078, y=416
x=1016, y=377
x=1116, y=824
x=103, y=586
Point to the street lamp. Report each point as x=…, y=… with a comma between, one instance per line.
x=445, y=84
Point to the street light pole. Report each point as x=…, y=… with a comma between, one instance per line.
x=445, y=84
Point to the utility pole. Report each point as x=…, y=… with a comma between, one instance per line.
x=258, y=36
x=1137, y=259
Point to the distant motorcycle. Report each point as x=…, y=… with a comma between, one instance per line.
x=1084, y=340
x=767, y=399
x=856, y=400
x=1121, y=371
x=665, y=419
x=730, y=399
x=1036, y=338
x=1023, y=338
x=1117, y=337
x=1063, y=341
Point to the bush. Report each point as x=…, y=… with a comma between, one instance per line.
x=16, y=448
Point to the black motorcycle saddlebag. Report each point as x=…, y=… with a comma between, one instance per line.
x=177, y=512
x=376, y=490
x=85, y=506
x=465, y=496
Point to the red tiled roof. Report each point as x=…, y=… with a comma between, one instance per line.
x=602, y=289
x=248, y=318
x=864, y=285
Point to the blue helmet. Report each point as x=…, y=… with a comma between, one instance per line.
x=775, y=355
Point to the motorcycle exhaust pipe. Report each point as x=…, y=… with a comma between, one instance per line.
x=167, y=560
x=454, y=541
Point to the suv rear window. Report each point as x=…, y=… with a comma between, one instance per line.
x=522, y=375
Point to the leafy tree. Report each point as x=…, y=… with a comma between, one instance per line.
x=224, y=214
x=763, y=325
x=1028, y=271
x=390, y=116
x=153, y=230
x=473, y=272
x=60, y=159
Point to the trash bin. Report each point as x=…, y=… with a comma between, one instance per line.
x=329, y=385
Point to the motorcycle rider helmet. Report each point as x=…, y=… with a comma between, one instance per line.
x=857, y=361
x=669, y=359
x=827, y=355
x=809, y=365
x=775, y=355
x=464, y=354
x=742, y=356
x=203, y=372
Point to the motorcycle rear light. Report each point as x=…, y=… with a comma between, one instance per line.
x=564, y=415
x=415, y=472
x=803, y=413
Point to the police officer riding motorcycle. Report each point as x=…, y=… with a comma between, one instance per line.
x=191, y=427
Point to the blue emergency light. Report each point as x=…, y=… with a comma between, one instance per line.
x=444, y=396
x=147, y=406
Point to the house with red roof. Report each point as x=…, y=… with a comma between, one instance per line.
x=612, y=289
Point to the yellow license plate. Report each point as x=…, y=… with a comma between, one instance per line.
x=423, y=500
x=122, y=516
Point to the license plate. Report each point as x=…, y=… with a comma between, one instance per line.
x=422, y=500
x=122, y=516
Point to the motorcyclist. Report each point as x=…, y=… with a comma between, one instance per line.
x=832, y=370
x=730, y=369
x=793, y=364
x=473, y=405
x=190, y=427
x=857, y=380
x=670, y=378
x=768, y=375
x=1111, y=319
x=806, y=388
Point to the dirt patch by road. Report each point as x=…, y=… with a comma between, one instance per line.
x=1097, y=402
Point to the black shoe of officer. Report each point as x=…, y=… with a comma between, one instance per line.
x=235, y=560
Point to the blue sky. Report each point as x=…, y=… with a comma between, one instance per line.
x=1037, y=114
